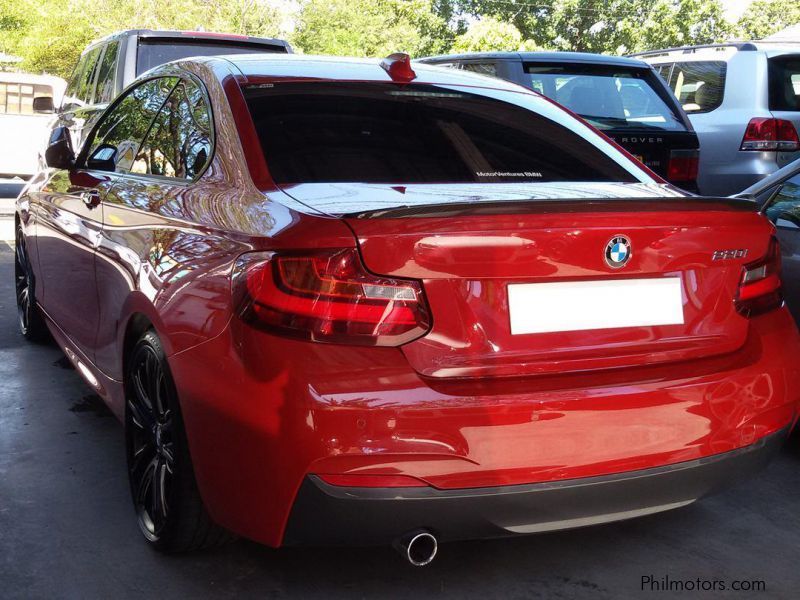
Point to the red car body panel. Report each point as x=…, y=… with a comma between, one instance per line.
x=466, y=406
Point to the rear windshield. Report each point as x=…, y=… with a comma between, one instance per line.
x=608, y=97
x=386, y=133
x=698, y=85
x=152, y=53
x=784, y=83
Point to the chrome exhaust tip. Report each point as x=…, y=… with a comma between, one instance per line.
x=418, y=548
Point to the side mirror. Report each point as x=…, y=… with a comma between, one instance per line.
x=43, y=105
x=59, y=153
x=104, y=158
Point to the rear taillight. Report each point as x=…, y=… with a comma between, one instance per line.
x=683, y=165
x=760, y=285
x=328, y=296
x=763, y=134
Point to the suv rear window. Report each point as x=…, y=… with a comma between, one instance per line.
x=699, y=86
x=154, y=52
x=608, y=96
x=784, y=82
x=385, y=133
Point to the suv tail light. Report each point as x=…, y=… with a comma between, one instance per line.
x=683, y=165
x=760, y=285
x=328, y=296
x=770, y=134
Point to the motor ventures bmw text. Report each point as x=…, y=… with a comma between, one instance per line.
x=343, y=301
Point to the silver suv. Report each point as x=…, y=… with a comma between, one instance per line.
x=743, y=99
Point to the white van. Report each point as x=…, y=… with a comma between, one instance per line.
x=24, y=127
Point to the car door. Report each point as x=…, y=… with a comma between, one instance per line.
x=71, y=213
x=142, y=248
x=783, y=209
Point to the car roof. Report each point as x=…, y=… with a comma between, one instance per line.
x=770, y=47
x=337, y=68
x=550, y=57
x=194, y=36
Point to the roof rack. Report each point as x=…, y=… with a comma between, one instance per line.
x=741, y=46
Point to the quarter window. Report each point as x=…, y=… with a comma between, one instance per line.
x=179, y=143
x=481, y=68
x=125, y=126
x=784, y=83
x=85, y=89
x=107, y=76
x=699, y=86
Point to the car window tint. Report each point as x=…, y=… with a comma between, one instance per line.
x=107, y=76
x=179, y=143
x=481, y=68
x=126, y=124
x=608, y=96
x=784, y=83
x=70, y=98
x=699, y=86
x=784, y=208
x=152, y=53
x=419, y=133
x=85, y=88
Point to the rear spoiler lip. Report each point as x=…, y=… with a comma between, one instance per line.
x=559, y=205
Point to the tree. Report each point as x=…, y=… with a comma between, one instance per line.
x=488, y=34
x=610, y=26
x=686, y=22
x=765, y=17
x=50, y=34
x=369, y=27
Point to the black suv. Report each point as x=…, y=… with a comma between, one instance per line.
x=108, y=65
x=624, y=98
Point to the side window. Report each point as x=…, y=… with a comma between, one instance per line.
x=70, y=94
x=784, y=208
x=699, y=86
x=85, y=89
x=118, y=135
x=663, y=69
x=179, y=143
x=481, y=68
x=106, y=78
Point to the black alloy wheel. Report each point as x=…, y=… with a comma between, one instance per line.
x=31, y=323
x=168, y=506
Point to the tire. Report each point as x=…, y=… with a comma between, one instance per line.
x=168, y=506
x=31, y=322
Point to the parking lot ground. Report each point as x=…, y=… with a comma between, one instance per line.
x=67, y=528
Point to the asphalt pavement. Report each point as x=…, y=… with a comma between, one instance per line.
x=67, y=528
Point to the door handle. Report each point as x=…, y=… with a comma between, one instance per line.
x=90, y=198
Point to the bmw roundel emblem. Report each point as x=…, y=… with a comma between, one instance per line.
x=618, y=251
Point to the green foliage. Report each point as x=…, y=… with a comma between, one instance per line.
x=488, y=34
x=50, y=34
x=370, y=27
x=765, y=17
x=610, y=26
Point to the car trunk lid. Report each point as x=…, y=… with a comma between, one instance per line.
x=475, y=246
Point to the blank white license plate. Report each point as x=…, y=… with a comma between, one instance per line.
x=583, y=305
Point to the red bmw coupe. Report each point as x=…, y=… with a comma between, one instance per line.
x=352, y=301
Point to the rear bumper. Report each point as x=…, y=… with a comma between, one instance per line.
x=262, y=414
x=330, y=515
